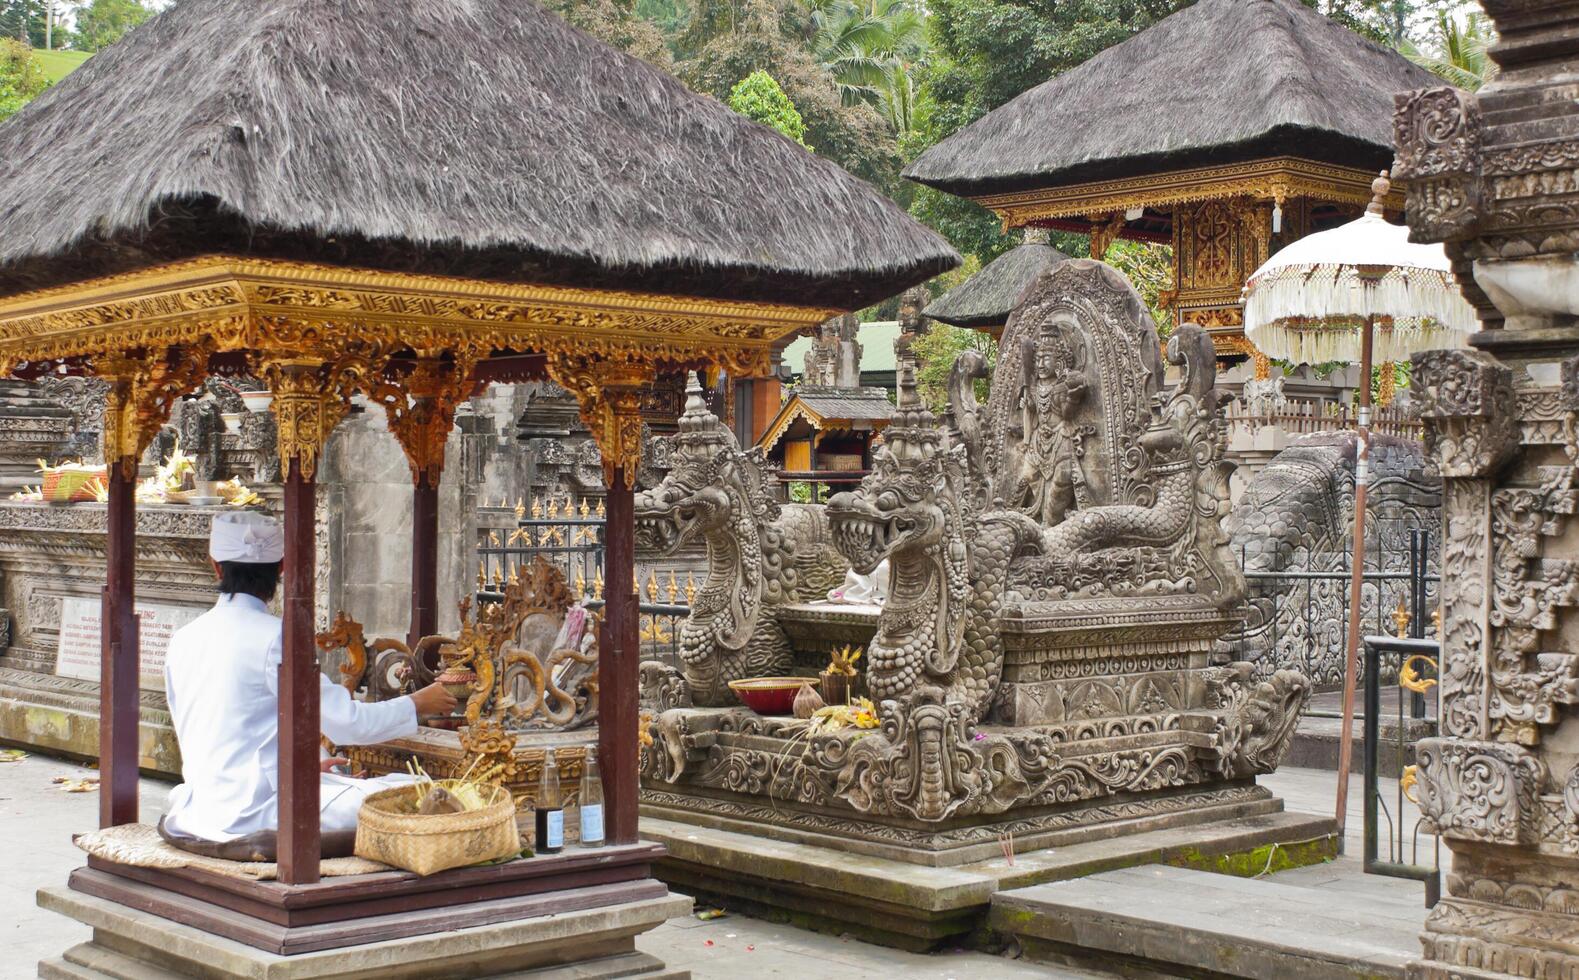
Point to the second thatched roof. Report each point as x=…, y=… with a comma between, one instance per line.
x=985, y=300
x=1219, y=82
x=484, y=138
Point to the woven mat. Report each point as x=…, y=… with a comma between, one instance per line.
x=140, y=846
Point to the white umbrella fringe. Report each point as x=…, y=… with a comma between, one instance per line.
x=1312, y=314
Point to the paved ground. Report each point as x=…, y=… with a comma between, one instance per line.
x=37, y=819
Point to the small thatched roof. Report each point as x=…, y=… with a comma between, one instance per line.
x=986, y=299
x=484, y=138
x=1218, y=82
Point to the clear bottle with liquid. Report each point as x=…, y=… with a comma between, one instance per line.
x=550, y=808
x=591, y=802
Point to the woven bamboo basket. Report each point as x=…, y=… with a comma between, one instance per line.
x=428, y=843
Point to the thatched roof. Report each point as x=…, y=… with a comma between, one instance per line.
x=1218, y=82
x=987, y=298
x=484, y=138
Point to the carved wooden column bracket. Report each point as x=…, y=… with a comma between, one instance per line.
x=421, y=409
x=307, y=407
x=142, y=392
x=610, y=394
x=1104, y=232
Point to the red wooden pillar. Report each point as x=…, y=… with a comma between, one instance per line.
x=424, y=556
x=119, y=654
x=298, y=686
x=619, y=655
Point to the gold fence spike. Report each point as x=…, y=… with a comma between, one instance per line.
x=690, y=589
x=652, y=586
x=600, y=509
x=674, y=588
x=585, y=510
x=597, y=586
x=537, y=510
x=482, y=575
x=581, y=584
x=520, y=508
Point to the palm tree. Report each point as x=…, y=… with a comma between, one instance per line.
x=1461, y=56
x=867, y=47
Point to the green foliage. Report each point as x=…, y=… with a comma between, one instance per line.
x=103, y=22
x=1149, y=268
x=25, y=20
x=937, y=350
x=21, y=76
x=870, y=49
x=616, y=23
x=58, y=64
x=759, y=97
x=1457, y=51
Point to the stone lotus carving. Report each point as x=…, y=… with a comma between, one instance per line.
x=760, y=554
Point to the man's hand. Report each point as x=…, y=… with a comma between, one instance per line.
x=327, y=765
x=433, y=700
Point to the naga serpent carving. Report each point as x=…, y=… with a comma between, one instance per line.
x=760, y=554
x=1020, y=543
x=939, y=626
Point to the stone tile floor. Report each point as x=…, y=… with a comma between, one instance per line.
x=37, y=819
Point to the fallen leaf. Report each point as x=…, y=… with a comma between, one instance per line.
x=12, y=755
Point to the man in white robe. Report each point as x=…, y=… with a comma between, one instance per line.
x=222, y=682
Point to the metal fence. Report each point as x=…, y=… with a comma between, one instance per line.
x=1410, y=708
x=1296, y=616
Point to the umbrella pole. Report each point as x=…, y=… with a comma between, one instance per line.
x=1351, y=658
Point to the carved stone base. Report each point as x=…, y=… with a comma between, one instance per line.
x=61, y=715
x=770, y=872
x=962, y=841
x=1509, y=913
x=1114, y=660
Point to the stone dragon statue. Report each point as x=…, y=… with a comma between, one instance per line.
x=760, y=554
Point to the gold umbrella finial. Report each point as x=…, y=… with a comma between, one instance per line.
x=1380, y=188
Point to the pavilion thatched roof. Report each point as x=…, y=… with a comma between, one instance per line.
x=1219, y=82
x=482, y=138
x=987, y=298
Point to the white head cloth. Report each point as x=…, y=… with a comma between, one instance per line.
x=246, y=536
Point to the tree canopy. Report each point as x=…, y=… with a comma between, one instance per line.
x=758, y=97
x=21, y=76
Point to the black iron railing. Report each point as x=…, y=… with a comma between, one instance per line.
x=1409, y=706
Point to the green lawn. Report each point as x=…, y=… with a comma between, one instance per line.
x=59, y=64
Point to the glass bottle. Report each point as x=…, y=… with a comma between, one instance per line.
x=591, y=802
x=549, y=808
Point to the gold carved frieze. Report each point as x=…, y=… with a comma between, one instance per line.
x=286, y=309
x=1273, y=179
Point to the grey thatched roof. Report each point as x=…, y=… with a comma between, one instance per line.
x=1220, y=81
x=987, y=298
x=830, y=402
x=478, y=137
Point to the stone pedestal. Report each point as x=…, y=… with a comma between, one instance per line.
x=587, y=944
x=32, y=427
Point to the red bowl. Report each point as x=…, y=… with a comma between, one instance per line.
x=769, y=695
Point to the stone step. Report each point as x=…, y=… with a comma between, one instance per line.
x=1175, y=922
x=919, y=908
x=1316, y=741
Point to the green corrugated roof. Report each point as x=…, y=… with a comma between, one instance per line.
x=877, y=348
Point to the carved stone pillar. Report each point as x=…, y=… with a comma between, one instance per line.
x=1491, y=176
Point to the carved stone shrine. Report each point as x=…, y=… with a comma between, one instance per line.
x=1492, y=176
x=1042, y=668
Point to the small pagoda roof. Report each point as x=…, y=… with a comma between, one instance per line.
x=985, y=300
x=487, y=139
x=1219, y=82
x=826, y=407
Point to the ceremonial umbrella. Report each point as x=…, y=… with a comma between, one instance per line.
x=1356, y=292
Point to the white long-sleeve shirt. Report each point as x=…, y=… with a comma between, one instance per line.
x=222, y=682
